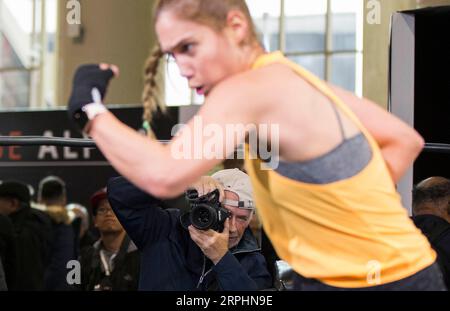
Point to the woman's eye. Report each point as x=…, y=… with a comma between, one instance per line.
x=187, y=48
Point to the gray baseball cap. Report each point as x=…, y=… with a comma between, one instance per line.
x=236, y=181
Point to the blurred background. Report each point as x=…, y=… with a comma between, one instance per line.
x=39, y=49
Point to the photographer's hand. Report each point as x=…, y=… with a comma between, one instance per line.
x=207, y=184
x=212, y=243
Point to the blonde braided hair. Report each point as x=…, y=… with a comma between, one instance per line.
x=149, y=96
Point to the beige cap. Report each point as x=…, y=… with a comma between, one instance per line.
x=236, y=181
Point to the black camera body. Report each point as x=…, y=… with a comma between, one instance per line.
x=205, y=212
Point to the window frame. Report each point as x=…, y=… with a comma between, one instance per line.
x=328, y=52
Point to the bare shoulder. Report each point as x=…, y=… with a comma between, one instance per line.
x=264, y=79
x=260, y=88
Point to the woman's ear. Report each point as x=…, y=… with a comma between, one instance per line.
x=238, y=25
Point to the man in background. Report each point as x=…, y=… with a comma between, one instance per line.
x=431, y=214
x=112, y=263
x=33, y=235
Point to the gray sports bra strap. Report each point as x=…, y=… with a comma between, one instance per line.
x=339, y=119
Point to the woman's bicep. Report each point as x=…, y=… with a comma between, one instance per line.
x=214, y=133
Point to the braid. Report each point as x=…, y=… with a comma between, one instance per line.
x=150, y=102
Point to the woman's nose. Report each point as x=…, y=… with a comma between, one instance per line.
x=186, y=73
x=185, y=68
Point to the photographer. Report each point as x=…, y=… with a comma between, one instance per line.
x=176, y=258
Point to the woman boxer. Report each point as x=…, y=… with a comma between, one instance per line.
x=330, y=207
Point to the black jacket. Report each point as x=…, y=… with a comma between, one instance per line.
x=170, y=259
x=33, y=240
x=124, y=277
x=7, y=250
x=62, y=251
x=3, y=286
x=437, y=230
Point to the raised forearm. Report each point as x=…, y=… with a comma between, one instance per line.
x=143, y=161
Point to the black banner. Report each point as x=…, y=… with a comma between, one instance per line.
x=84, y=170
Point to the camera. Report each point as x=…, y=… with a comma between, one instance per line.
x=204, y=212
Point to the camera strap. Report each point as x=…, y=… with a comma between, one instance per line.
x=240, y=204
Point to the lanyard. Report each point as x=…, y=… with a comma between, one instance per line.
x=107, y=265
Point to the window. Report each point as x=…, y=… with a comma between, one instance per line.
x=27, y=42
x=15, y=23
x=14, y=78
x=323, y=36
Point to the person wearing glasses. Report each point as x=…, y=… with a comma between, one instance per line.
x=112, y=263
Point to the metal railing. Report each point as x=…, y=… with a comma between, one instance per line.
x=50, y=141
x=89, y=143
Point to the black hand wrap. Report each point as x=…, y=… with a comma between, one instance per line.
x=87, y=77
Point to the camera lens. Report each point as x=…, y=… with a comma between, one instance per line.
x=203, y=217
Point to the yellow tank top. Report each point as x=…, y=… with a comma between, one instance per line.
x=350, y=233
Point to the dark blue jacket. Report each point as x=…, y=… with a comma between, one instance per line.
x=170, y=260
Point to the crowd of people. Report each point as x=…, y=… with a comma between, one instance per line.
x=41, y=236
x=128, y=240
